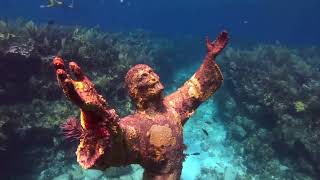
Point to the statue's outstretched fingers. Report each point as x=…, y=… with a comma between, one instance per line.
x=221, y=41
x=78, y=88
x=61, y=75
x=76, y=70
x=85, y=88
x=67, y=85
x=58, y=63
x=65, y=82
x=218, y=45
x=208, y=43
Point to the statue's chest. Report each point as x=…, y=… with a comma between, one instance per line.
x=160, y=127
x=160, y=135
x=161, y=141
x=154, y=138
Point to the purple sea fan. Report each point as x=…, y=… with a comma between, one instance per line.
x=72, y=129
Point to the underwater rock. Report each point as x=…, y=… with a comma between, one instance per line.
x=230, y=174
x=16, y=69
x=131, y=172
x=118, y=171
x=63, y=177
x=245, y=122
x=209, y=173
x=92, y=174
x=237, y=132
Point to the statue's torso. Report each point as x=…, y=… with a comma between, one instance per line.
x=154, y=140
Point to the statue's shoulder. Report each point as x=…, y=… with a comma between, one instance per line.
x=130, y=119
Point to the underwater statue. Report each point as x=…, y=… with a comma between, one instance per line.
x=153, y=135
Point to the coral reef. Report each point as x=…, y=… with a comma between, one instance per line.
x=277, y=89
x=299, y=106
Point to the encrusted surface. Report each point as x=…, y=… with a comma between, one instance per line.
x=152, y=136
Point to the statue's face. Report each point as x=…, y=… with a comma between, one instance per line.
x=143, y=83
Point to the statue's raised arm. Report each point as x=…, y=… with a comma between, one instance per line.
x=207, y=79
x=98, y=127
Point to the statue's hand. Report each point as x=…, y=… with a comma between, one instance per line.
x=215, y=47
x=79, y=90
x=98, y=129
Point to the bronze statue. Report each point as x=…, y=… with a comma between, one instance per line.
x=153, y=135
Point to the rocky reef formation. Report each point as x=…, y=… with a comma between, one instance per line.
x=272, y=103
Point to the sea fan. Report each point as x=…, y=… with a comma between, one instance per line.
x=72, y=129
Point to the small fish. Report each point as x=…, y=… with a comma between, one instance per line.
x=205, y=132
x=193, y=154
x=208, y=122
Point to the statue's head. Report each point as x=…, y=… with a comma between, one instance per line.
x=143, y=84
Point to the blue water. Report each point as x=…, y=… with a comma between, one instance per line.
x=293, y=22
